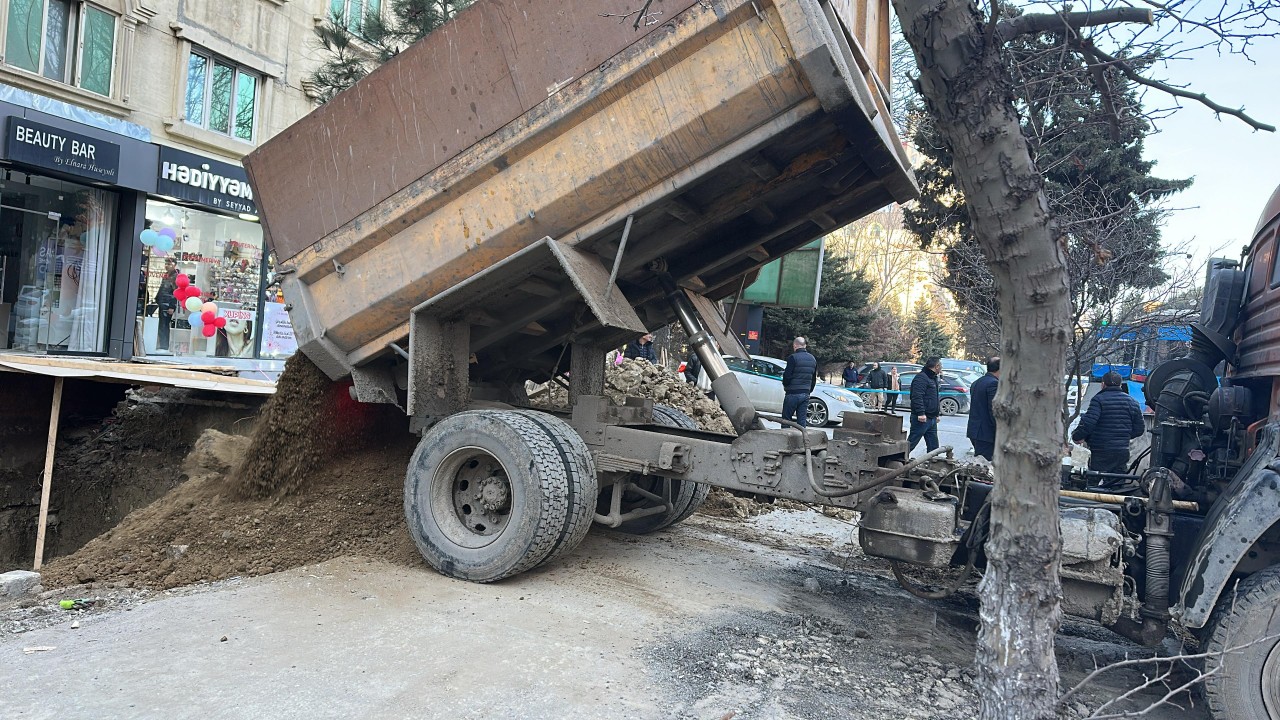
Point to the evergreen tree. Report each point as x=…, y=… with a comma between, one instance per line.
x=839, y=324
x=354, y=46
x=932, y=339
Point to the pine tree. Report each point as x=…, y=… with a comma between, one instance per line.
x=355, y=46
x=932, y=339
x=840, y=322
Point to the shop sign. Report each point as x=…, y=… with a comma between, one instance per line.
x=33, y=143
x=206, y=181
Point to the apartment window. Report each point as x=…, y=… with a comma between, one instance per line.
x=221, y=96
x=352, y=14
x=68, y=41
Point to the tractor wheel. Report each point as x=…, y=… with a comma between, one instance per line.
x=493, y=493
x=1244, y=651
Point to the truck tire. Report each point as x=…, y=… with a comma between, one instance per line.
x=1245, y=684
x=687, y=497
x=493, y=493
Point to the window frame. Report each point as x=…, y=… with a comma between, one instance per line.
x=76, y=46
x=344, y=18
x=212, y=60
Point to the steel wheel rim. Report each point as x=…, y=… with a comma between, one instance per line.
x=1271, y=682
x=471, y=497
x=816, y=412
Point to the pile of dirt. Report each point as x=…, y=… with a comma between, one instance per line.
x=294, y=430
x=206, y=529
x=642, y=379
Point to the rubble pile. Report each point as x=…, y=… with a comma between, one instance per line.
x=638, y=378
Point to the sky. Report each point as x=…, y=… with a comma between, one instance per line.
x=1236, y=169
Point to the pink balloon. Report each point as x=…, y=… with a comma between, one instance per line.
x=209, y=307
x=182, y=280
x=208, y=330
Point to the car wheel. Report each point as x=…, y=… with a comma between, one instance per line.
x=817, y=413
x=949, y=406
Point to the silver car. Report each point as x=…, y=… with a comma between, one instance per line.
x=761, y=379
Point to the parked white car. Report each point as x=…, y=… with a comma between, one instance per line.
x=761, y=379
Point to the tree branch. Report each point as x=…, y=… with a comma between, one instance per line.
x=1044, y=22
x=1099, y=57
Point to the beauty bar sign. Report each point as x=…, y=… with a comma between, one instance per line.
x=206, y=181
x=33, y=143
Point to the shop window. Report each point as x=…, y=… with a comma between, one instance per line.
x=56, y=246
x=220, y=96
x=220, y=254
x=67, y=41
x=354, y=14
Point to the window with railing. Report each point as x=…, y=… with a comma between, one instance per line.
x=68, y=41
x=221, y=96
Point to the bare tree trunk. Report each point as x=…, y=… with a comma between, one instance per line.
x=968, y=91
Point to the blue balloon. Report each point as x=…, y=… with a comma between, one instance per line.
x=149, y=237
x=195, y=320
x=164, y=243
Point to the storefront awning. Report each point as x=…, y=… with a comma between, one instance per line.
x=133, y=373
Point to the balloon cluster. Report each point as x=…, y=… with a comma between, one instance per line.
x=204, y=315
x=161, y=240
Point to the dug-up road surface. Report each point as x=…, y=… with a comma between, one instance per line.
x=776, y=617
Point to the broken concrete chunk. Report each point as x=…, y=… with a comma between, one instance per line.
x=17, y=583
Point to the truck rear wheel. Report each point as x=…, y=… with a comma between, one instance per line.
x=1244, y=684
x=493, y=493
x=686, y=497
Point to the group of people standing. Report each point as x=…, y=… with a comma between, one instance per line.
x=877, y=379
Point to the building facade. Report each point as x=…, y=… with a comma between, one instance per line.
x=125, y=116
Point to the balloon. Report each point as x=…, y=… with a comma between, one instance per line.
x=192, y=305
x=169, y=233
x=193, y=291
x=208, y=331
x=220, y=322
x=182, y=281
x=208, y=317
x=149, y=237
x=164, y=244
x=195, y=321
x=210, y=308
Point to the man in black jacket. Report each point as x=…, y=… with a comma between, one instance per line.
x=798, y=381
x=1112, y=420
x=642, y=349
x=877, y=379
x=982, y=421
x=924, y=406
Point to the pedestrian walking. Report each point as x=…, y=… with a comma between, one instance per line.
x=982, y=421
x=895, y=386
x=642, y=349
x=692, y=366
x=798, y=381
x=1112, y=420
x=924, y=406
x=878, y=381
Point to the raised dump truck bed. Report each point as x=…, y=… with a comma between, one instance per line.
x=728, y=132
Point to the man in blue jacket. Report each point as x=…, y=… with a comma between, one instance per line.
x=924, y=406
x=1112, y=420
x=982, y=421
x=798, y=381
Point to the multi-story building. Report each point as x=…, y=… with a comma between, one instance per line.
x=123, y=116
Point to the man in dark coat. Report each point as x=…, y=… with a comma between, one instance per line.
x=798, y=381
x=1112, y=420
x=877, y=379
x=850, y=375
x=166, y=303
x=924, y=406
x=982, y=422
x=642, y=349
x=692, y=366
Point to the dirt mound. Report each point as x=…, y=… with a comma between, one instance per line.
x=206, y=530
x=294, y=429
x=642, y=379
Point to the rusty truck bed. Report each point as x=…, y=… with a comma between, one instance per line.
x=730, y=131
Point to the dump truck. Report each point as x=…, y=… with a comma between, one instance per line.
x=537, y=183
